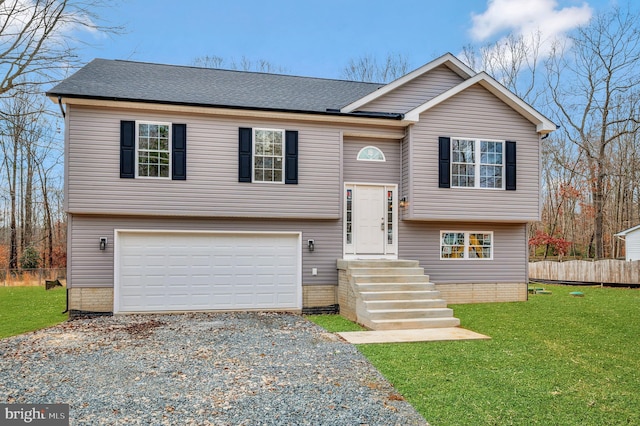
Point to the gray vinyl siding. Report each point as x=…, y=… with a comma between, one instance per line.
x=371, y=171
x=212, y=188
x=95, y=268
x=418, y=240
x=416, y=92
x=421, y=241
x=474, y=113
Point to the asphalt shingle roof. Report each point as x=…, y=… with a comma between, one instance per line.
x=146, y=82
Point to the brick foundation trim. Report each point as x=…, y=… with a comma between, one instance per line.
x=96, y=300
x=91, y=299
x=318, y=296
x=455, y=293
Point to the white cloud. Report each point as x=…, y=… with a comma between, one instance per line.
x=524, y=17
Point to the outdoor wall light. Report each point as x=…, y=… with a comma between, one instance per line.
x=403, y=202
x=103, y=243
x=311, y=245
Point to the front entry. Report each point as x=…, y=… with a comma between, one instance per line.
x=370, y=221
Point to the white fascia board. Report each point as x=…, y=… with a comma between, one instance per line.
x=448, y=59
x=543, y=124
x=626, y=231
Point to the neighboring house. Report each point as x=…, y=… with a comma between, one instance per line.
x=631, y=239
x=205, y=189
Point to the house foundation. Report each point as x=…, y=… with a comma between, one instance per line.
x=91, y=299
x=458, y=293
x=320, y=299
x=316, y=299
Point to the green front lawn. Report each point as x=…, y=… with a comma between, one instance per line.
x=554, y=360
x=335, y=323
x=25, y=309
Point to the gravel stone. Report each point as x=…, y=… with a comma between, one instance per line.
x=199, y=369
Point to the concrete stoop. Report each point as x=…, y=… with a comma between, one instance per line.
x=394, y=295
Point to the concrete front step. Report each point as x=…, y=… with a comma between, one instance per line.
x=385, y=295
x=408, y=324
x=386, y=271
x=344, y=264
x=390, y=279
x=417, y=313
x=375, y=305
x=374, y=287
x=396, y=294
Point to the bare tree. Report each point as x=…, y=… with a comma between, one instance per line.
x=208, y=61
x=594, y=82
x=16, y=128
x=44, y=174
x=513, y=61
x=243, y=64
x=369, y=68
x=29, y=155
x=35, y=38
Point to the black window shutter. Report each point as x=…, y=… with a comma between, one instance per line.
x=291, y=157
x=444, y=162
x=244, y=154
x=510, y=163
x=179, y=152
x=128, y=149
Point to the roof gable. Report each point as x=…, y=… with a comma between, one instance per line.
x=627, y=231
x=415, y=92
x=543, y=124
x=447, y=60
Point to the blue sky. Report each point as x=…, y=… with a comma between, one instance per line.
x=317, y=38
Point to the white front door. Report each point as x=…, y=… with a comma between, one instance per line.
x=369, y=219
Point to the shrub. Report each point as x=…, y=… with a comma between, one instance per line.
x=30, y=258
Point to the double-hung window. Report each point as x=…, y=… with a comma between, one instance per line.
x=153, y=146
x=153, y=150
x=466, y=245
x=268, y=153
x=477, y=163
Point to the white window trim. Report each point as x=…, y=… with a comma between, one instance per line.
x=466, y=245
x=137, y=142
x=476, y=164
x=253, y=155
x=371, y=159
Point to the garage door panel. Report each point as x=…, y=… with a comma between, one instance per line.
x=207, y=271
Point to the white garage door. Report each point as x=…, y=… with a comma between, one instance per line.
x=196, y=271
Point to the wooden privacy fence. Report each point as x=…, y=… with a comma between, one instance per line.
x=31, y=277
x=607, y=271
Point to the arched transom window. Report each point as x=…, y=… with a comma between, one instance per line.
x=371, y=153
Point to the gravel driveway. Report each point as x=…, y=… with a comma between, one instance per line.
x=199, y=369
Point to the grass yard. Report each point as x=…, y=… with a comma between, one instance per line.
x=335, y=323
x=25, y=309
x=554, y=360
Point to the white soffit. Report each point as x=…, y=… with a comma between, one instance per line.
x=543, y=124
x=448, y=60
